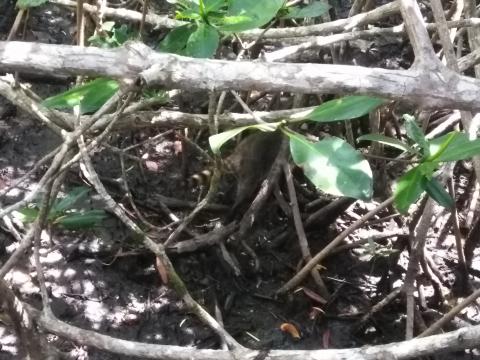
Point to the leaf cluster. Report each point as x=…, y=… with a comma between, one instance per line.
x=211, y=18
x=65, y=213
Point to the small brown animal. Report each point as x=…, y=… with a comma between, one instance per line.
x=250, y=163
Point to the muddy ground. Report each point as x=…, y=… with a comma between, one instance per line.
x=103, y=279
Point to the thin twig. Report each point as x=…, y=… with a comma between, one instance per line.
x=295, y=280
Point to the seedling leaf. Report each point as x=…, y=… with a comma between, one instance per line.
x=387, y=141
x=249, y=14
x=437, y=192
x=310, y=11
x=24, y=4
x=458, y=148
x=416, y=134
x=217, y=141
x=70, y=199
x=81, y=220
x=203, y=42
x=176, y=40
x=90, y=96
x=345, y=108
x=409, y=188
x=333, y=166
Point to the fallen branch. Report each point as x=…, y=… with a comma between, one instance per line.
x=171, y=71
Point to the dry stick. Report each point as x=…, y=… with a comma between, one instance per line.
x=52, y=189
x=16, y=24
x=456, y=228
x=214, y=181
x=302, y=237
x=18, y=96
x=266, y=187
x=158, y=249
x=128, y=193
x=415, y=254
x=86, y=125
x=436, y=326
x=144, y=15
x=294, y=281
x=375, y=238
x=469, y=60
x=18, y=253
x=329, y=27
x=39, y=225
x=124, y=14
x=466, y=118
x=443, y=32
x=57, y=161
x=27, y=334
x=457, y=340
x=35, y=167
x=377, y=307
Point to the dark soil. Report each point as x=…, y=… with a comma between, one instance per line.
x=103, y=279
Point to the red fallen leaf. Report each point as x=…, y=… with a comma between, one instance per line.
x=315, y=313
x=314, y=296
x=291, y=329
x=177, y=147
x=326, y=339
x=162, y=271
x=151, y=166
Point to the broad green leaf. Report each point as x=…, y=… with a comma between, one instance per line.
x=203, y=42
x=416, y=134
x=311, y=10
x=189, y=15
x=333, y=166
x=346, y=108
x=459, y=147
x=81, y=220
x=409, y=188
x=23, y=4
x=234, y=23
x=111, y=36
x=70, y=199
x=90, y=96
x=214, y=5
x=387, y=141
x=427, y=168
x=217, y=141
x=26, y=214
x=437, y=192
x=255, y=13
x=176, y=40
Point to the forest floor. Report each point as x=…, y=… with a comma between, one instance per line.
x=104, y=279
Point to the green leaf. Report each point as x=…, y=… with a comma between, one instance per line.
x=437, y=192
x=90, y=96
x=23, y=4
x=176, y=40
x=74, y=196
x=311, y=10
x=217, y=141
x=458, y=147
x=249, y=14
x=26, y=214
x=409, y=188
x=393, y=142
x=214, y=5
x=203, y=42
x=416, y=134
x=346, y=108
x=333, y=166
x=81, y=220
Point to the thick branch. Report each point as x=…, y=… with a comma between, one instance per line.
x=171, y=71
x=456, y=340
